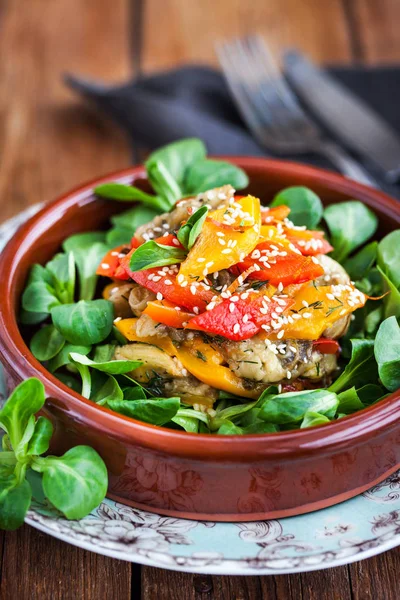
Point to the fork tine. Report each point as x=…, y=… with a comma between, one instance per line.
x=263, y=98
x=269, y=69
x=251, y=83
x=227, y=56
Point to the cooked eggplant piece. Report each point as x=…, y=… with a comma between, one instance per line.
x=154, y=360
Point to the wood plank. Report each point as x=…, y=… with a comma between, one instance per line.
x=49, y=140
x=182, y=31
x=40, y=567
x=376, y=577
x=377, y=29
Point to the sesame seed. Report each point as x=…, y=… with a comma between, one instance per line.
x=105, y=266
x=168, y=282
x=226, y=250
x=159, y=296
x=180, y=278
x=193, y=289
x=196, y=310
x=184, y=283
x=114, y=253
x=209, y=264
x=117, y=319
x=280, y=334
x=236, y=328
x=288, y=374
x=220, y=234
x=307, y=315
x=201, y=260
x=304, y=303
x=231, y=307
x=245, y=318
x=156, y=278
x=222, y=242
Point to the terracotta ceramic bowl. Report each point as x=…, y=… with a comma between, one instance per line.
x=222, y=478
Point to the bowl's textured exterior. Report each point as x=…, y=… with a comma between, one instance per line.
x=198, y=476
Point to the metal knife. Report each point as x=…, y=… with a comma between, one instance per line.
x=345, y=114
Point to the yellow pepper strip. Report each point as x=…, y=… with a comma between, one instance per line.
x=316, y=308
x=128, y=329
x=211, y=252
x=209, y=371
x=191, y=355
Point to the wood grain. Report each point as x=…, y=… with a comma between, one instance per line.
x=377, y=23
x=39, y=567
x=187, y=31
x=48, y=141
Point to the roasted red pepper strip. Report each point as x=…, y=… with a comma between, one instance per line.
x=287, y=269
x=169, y=240
x=110, y=264
x=173, y=292
x=310, y=243
x=241, y=322
x=326, y=346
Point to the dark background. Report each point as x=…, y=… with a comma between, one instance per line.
x=50, y=142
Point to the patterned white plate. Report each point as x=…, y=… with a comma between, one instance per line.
x=351, y=531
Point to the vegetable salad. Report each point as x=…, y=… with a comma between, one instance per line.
x=205, y=311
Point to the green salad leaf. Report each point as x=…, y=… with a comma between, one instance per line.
x=112, y=367
x=387, y=353
x=151, y=254
x=178, y=156
x=360, y=370
x=156, y=411
x=74, y=483
x=46, y=343
x=39, y=297
x=189, y=232
x=84, y=322
x=311, y=419
x=207, y=174
x=351, y=224
x=305, y=206
x=291, y=407
x=163, y=182
x=88, y=251
x=389, y=256
x=129, y=193
x=360, y=264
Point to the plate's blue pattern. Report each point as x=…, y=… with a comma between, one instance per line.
x=347, y=532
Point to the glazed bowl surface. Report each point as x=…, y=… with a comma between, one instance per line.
x=220, y=478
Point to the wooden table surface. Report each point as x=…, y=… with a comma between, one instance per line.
x=50, y=142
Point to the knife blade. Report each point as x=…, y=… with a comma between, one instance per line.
x=347, y=116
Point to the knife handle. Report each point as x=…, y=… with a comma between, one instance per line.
x=346, y=164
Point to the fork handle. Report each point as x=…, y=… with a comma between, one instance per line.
x=346, y=164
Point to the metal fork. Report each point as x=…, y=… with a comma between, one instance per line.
x=272, y=111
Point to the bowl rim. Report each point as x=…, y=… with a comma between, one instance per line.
x=353, y=428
